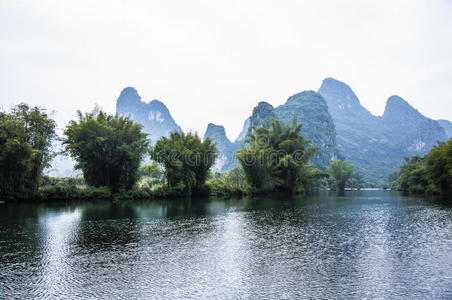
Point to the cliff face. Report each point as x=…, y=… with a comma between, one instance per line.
x=377, y=145
x=226, y=149
x=154, y=116
x=447, y=126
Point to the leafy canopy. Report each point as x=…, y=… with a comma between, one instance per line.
x=26, y=135
x=108, y=149
x=341, y=172
x=186, y=159
x=277, y=159
x=429, y=174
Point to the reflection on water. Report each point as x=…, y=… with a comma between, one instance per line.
x=371, y=244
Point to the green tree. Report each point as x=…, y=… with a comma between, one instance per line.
x=393, y=179
x=277, y=159
x=357, y=180
x=153, y=172
x=413, y=175
x=186, y=159
x=438, y=165
x=108, y=149
x=341, y=172
x=26, y=135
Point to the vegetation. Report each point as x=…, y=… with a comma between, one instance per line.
x=26, y=134
x=153, y=174
x=341, y=172
x=439, y=166
x=51, y=181
x=318, y=126
x=357, y=181
x=230, y=183
x=108, y=149
x=186, y=160
x=276, y=159
x=413, y=176
x=429, y=174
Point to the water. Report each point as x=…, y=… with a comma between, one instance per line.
x=370, y=244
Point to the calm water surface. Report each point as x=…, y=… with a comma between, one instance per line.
x=369, y=244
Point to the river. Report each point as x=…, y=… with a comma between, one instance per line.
x=366, y=244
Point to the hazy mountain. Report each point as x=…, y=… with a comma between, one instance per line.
x=154, y=116
x=61, y=165
x=377, y=145
x=244, y=132
x=309, y=108
x=447, y=126
x=226, y=149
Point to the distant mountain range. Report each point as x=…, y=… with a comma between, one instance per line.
x=333, y=119
x=376, y=145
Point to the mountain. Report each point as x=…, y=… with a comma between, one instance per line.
x=226, y=149
x=447, y=126
x=309, y=108
x=376, y=145
x=244, y=132
x=154, y=116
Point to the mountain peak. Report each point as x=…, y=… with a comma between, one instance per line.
x=129, y=93
x=158, y=105
x=338, y=93
x=215, y=131
x=226, y=149
x=154, y=116
x=396, y=105
x=305, y=95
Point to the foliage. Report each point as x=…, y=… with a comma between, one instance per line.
x=71, y=192
x=186, y=160
x=276, y=159
x=439, y=166
x=153, y=173
x=318, y=125
x=429, y=174
x=26, y=134
x=49, y=181
x=413, y=175
x=108, y=149
x=357, y=180
x=341, y=172
x=229, y=183
x=393, y=179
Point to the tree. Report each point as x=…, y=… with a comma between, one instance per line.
x=341, y=172
x=108, y=149
x=438, y=166
x=413, y=175
x=357, y=180
x=26, y=135
x=277, y=159
x=393, y=179
x=186, y=159
x=153, y=172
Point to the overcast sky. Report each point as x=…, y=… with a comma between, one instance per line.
x=212, y=61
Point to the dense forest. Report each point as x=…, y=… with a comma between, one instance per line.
x=111, y=151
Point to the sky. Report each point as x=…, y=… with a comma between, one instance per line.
x=213, y=61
